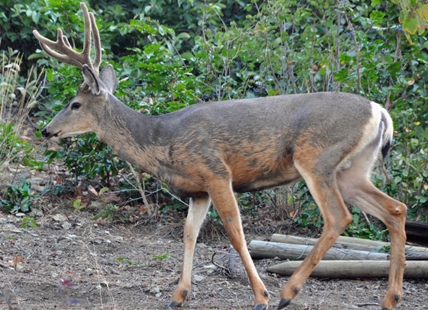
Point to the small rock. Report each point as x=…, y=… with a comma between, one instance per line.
x=210, y=268
x=198, y=278
x=118, y=238
x=155, y=289
x=89, y=272
x=59, y=218
x=36, y=213
x=66, y=225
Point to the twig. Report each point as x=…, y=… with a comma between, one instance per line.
x=228, y=273
x=73, y=223
x=367, y=304
x=139, y=187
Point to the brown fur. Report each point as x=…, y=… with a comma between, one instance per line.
x=208, y=150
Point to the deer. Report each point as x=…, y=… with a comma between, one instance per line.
x=210, y=150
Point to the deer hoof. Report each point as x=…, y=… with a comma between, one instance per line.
x=284, y=303
x=174, y=304
x=261, y=307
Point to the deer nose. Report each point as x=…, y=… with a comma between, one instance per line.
x=45, y=133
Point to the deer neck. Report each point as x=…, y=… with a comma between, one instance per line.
x=132, y=135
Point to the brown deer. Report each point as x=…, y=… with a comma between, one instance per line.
x=209, y=150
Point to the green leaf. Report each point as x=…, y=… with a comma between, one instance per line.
x=183, y=35
x=423, y=11
x=414, y=142
x=422, y=199
x=35, y=17
x=411, y=25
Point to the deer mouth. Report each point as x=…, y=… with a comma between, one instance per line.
x=55, y=135
x=47, y=135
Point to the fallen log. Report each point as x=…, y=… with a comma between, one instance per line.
x=378, y=243
x=265, y=249
x=417, y=232
x=354, y=269
x=412, y=252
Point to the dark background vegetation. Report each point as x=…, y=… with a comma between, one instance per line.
x=170, y=54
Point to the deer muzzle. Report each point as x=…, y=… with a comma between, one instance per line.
x=48, y=134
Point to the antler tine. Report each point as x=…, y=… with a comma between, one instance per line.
x=86, y=53
x=97, y=44
x=66, y=55
x=65, y=39
x=61, y=48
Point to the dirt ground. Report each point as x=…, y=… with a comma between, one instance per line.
x=70, y=261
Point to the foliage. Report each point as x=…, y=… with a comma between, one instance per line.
x=17, y=97
x=77, y=205
x=87, y=157
x=12, y=148
x=161, y=257
x=18, y=198
x=362, y=228
x=28, y=222
x=122, y=259
x=413, y=16
x=110, y=213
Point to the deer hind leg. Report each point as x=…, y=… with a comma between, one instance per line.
x=198, y=208
x=227, y=207
x=357, y=190
x=336, y=218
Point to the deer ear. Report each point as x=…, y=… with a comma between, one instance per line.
x=91, y=80
x=108, y=77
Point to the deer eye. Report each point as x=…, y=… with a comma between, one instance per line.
x=75, y=105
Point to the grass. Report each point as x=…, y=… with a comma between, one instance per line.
x=18, y=95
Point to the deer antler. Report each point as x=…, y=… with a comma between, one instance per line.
x=62, y=50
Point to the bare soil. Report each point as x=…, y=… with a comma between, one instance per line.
x=70, y=261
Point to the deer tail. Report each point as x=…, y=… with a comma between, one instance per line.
x=387, y=132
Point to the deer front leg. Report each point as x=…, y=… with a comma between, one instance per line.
x=227, y=207
x=198, y=208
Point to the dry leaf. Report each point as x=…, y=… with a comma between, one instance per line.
x=92, y=190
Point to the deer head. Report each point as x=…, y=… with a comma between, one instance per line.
x=77, y=117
